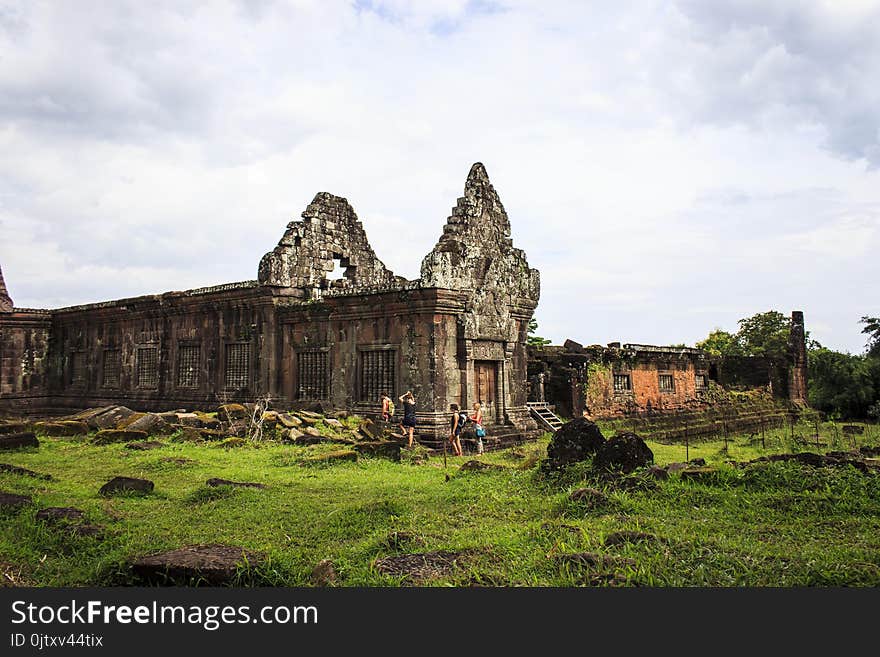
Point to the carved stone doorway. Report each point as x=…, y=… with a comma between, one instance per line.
x=485, y=379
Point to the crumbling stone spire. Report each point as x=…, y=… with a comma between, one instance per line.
x=5, y=299
x=329, y=235
x=475, y=254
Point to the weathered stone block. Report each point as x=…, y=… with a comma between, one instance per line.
x=289, y=421
x=13, y=501
x=62, y=428
x=108, y=436
x=575, y=441
x=151, y=423
x=18, y=440
x=189, y=419
x=12, y=427
x=109, y=418
x=211, y=564
x=14, y=469
x=331, y=457
x=623, y=453
x=228, y=412
x=126, y=484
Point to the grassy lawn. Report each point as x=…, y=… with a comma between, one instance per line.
x=774, y=524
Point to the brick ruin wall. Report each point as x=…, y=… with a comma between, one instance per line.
x=576, y=377
x=693, y=399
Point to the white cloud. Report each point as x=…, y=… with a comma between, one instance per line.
x=658, y=161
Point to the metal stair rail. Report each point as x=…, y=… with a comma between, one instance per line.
x=545, y=417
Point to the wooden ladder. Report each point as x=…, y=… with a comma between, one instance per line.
x=546, y=418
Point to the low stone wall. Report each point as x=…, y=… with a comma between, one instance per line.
x=749, y=415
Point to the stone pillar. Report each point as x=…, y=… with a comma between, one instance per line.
x=540, y=393
x=797, y=373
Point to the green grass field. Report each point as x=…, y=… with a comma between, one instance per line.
x=777, y=524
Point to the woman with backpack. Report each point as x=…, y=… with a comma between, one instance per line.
x=456, y=424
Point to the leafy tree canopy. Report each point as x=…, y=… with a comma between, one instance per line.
x=719, y=343
x=872, y=329
x=532, y=339
x=764, y=334
x=841, y=384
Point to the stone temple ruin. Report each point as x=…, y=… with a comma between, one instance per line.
x=456, y=334
x=306, y=340
x=661, y=386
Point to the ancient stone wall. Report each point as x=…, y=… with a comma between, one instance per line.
x=618, y=380
x=299, y=337
x=634, y=379
x=390, y=342
x=152, y=352
x=24, y=345
x=743, y=372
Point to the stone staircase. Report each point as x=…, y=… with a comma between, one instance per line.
x=545, y=417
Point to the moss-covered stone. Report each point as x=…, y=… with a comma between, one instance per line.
x=108, y=436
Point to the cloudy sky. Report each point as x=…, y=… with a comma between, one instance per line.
x=669, y=167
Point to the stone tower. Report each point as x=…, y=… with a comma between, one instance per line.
x=5, y=300
x=797, y=345
x=475, y=254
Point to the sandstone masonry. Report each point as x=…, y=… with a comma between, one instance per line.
x=456, y=334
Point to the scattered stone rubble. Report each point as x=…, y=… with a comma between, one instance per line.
x=118, y=424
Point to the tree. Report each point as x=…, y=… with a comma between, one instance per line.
x=719, y=343
x=532, y=339
x=840, y=384
x=764, y=334
x=872, y=329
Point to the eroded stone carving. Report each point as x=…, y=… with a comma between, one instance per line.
x=475, y=254
x=5, y=299
x=330, y=235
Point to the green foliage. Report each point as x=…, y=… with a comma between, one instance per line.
x=872, y=329
x=775, y=524
x=840, y=384
x=718, y=343
x=764, y=334
x=532, y=339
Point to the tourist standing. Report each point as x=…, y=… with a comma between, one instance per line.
x=408, y=424
x=477, y=419
x=456, y=424
x=387, y=408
